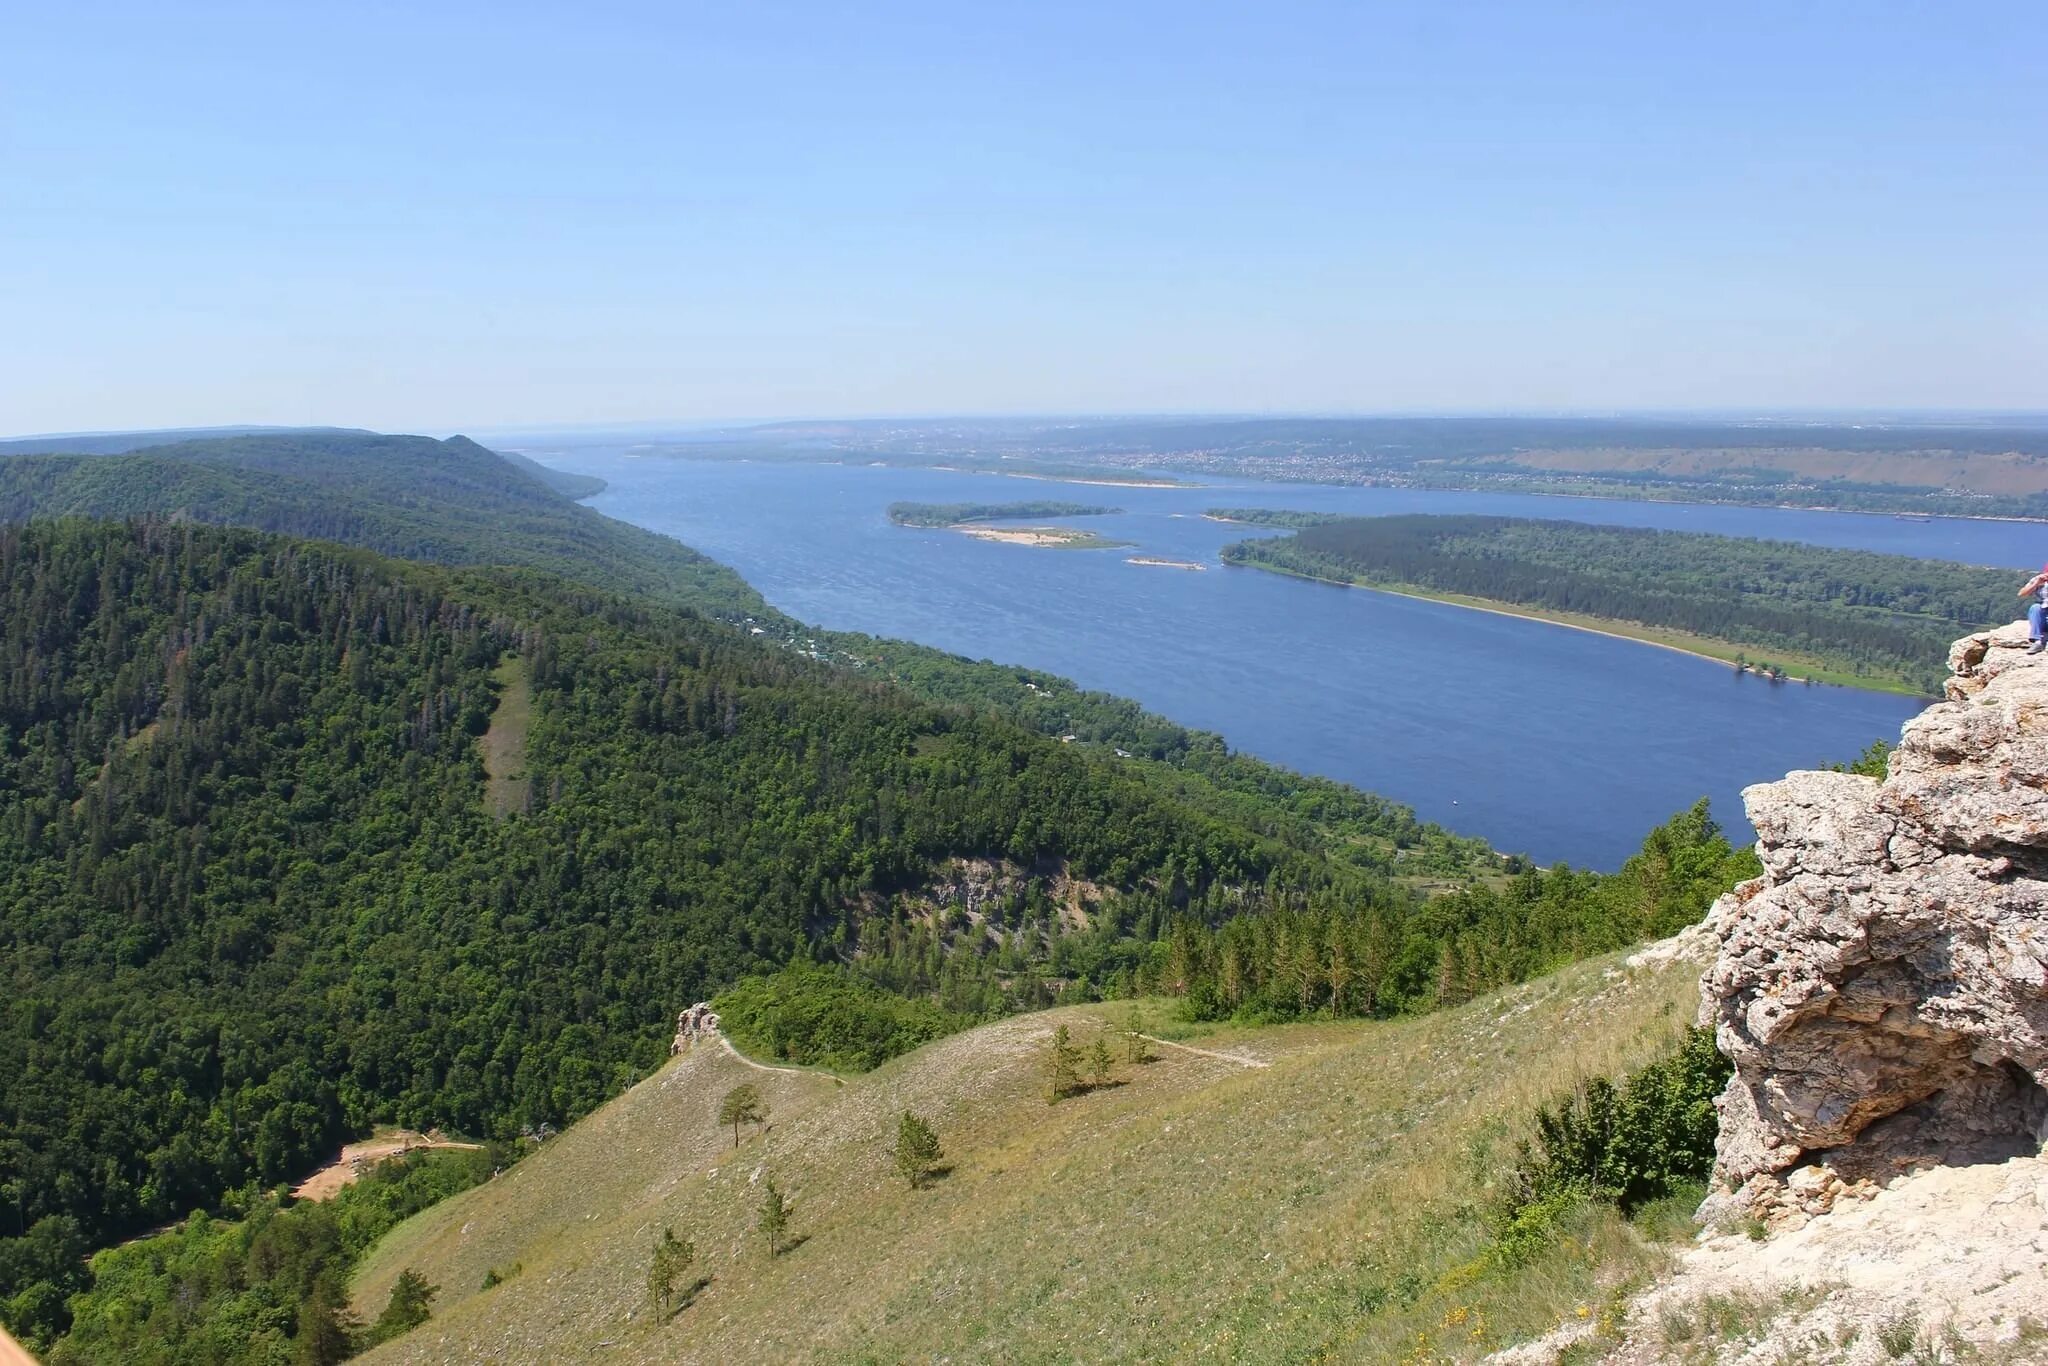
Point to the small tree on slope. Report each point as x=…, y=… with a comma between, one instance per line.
x=407, y=1308
x=742, y=1105
x=672, y=1257
x=1063, y=1066
x=917, y=1149
x=774, y=1220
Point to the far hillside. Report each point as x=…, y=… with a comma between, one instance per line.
x=449, y=501
x=1845, y=616
x=117, y=443
x=366, y=490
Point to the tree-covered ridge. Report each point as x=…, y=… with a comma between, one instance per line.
x=1359, y=960
x=118, y=443
x=450, y=501
x=1273, y=517
x=953, y=514
x=1883, y=617
x=252, y=483
x=1194, y=766
x=251, y=899
x=565, y=482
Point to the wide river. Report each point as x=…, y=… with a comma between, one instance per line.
x=1558, y=743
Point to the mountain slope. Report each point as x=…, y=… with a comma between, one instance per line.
x=453, y=502
x=252, y=895
x=1285, y=1193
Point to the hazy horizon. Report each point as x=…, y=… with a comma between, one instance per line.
x=500, y=219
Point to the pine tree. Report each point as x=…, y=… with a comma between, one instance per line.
x=917, y=1149
x=326, y=1329
x=1099, y=1061
x=672, y=1257
x=774, y=1220
x=1063, y=1065
x=1137, y=1048
x=407, y=1307
x=742, y=1105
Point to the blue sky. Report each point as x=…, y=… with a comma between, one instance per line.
x=452, y=215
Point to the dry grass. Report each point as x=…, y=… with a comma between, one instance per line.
x=507, y=789
x=1322, y=1207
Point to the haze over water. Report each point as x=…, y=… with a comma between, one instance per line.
x=1558, y=743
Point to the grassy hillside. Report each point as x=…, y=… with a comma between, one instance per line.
x=1284, y=1194
x=453, y=502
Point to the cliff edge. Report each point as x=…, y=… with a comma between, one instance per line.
x=1882, y=989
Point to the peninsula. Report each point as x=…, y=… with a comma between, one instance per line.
x=1806, y=613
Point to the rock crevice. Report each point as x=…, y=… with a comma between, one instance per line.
x=1882, y=989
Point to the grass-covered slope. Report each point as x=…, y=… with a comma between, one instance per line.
x=450, y=501
x=1285, y=1194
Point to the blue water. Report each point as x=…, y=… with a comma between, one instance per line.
x=1558, y=743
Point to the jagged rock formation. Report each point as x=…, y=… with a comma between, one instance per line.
x=1883, y=988
x=697, y=1022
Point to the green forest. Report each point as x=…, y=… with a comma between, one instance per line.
x=953, y=514
x=267, y=1282
x=1884, y=618
x=251, y=899
x=1293, y=521
x=451, y=501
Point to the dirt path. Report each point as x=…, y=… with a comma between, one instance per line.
x=357, y=1158
x=12, y=1352
x=1240, y=1059
x=757, y=1066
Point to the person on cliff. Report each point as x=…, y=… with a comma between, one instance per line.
x=2037, y=611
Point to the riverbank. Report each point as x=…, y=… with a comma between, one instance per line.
x=1040, y=537
x=1813, y=670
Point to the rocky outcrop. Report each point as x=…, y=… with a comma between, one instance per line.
x=697, y=1022
x=1882, y=989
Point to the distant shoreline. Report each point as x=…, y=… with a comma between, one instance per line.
x=1616, y=630
x=1053, y=478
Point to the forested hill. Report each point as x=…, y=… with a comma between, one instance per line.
x=1883, y=619
x=252, y=897
x=449, y=501
x=117, y=443
x=454, y=502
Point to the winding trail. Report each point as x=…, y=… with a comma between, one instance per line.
x=757, y=1066
x=1240, y=1059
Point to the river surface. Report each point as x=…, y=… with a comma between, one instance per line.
x=1562, y=744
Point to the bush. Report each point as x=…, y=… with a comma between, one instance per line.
x=1632, y=1143
x=828, y=1017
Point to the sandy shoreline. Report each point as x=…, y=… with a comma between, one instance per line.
x=1504, y=611
x=1045, y=537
